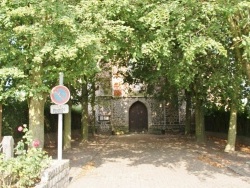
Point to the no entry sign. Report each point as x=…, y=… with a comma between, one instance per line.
x=60, y=94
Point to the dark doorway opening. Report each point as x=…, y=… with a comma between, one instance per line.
x=138, y=117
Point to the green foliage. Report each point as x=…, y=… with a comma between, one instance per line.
x=170, y=45
x=25, y=169
x=15, y=113
x=10, y=83
x=189, y=45
x=43, y=38
x=37, y=36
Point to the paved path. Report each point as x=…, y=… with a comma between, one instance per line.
x=156, y=161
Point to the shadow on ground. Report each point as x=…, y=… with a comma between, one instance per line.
x=169, y=150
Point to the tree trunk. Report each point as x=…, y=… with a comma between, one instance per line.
x=230, y=147
x=36, y=118
x=199, y=122
x=188, y=113
x=246, y=66
x=36, y=107
x=67, y=128
x=238, y=33
x=93, y=120
x=1, y=121
x=232, y=132
x=84, y=120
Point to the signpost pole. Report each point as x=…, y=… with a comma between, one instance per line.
x=60, y=95
x=60, y=124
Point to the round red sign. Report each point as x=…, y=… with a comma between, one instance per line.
x=60, y=94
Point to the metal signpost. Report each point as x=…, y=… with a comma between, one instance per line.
x=60, y=95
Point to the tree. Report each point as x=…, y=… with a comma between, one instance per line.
x=235, y=16
x=67, y=128
x=100, y=38
x=49, y=37
x=184, y=49
x=10, y=78
x=35, y=32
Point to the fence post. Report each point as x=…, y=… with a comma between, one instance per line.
x=8, y=147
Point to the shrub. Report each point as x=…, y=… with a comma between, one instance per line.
x=25, y=168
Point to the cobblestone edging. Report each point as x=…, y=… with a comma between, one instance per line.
x=57, y=175
x=242, y=170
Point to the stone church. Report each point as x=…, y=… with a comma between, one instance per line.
x=123, y=107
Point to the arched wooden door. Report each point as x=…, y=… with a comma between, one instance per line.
x=138, y=117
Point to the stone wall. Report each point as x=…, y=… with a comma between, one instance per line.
x=120, y=110
x=159, y=113
x=57, y=175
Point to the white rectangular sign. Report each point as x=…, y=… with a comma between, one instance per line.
x=59, y=109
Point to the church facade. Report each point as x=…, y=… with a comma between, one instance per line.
x=123, y=107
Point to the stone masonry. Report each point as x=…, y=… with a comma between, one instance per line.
x=161, y=115
x=56, y=176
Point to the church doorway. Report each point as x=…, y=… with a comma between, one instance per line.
x=138, y=117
